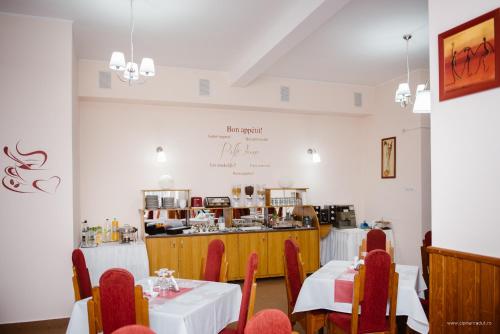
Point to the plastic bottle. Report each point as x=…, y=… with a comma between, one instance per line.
x=106, y=231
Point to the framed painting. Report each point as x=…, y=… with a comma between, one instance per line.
x=388, y=160
x=469, y=61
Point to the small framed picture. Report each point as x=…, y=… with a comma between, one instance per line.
x=388, y=160
x=469, y=59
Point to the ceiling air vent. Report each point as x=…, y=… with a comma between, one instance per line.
x=358, y=99
x=204, y=87
x=104, y=79
x=285, y=94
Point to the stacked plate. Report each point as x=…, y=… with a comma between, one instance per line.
x=152, y=202
x=168, y=202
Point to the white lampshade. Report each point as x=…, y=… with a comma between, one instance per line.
x=117, y=61
x=403, y=92
x=131, y=71
x=316, y=158
x=422, y=103
x=160, y=154
x=147, y=67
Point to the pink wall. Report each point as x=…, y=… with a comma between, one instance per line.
x=118, y=143
x=36, y=108
x=404, y=201
x=465, y=150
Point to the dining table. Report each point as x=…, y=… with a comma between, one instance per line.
x=318, y=292
x=206, y=307
x=343, y=243
x=132, y=257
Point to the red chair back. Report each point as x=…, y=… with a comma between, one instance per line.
x=252, y=264
x=134, y=329
x=117, y=296
x=214, y=260
x=269, y=321
x=292, y=267
x=427, y=239
x=376, y=292
x=82, y=273
x=375, y=239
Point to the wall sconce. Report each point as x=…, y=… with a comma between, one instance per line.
x=316, y=158
x=160, y=154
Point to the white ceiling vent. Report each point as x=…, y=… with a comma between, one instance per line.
x=204, y=87
x=285, y=94
x=104, y=79
x=358, y=99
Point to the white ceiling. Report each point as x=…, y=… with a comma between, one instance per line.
x=360, y=43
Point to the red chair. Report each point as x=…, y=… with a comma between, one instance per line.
x=116, y=303
x=269, y=321
x=81, y=278
x=375, y=239
x=216, y=266
x=374, y=286
x=248, y=298
x=426, y=242
x=311, y=321
x=134, y=329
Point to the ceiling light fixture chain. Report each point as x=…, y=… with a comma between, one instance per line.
x=131, y=71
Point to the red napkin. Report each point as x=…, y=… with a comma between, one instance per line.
x=170, y=294
x=344, y=286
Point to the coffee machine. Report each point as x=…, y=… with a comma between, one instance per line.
x=345, y=216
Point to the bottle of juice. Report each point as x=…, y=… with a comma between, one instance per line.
x=114, y=227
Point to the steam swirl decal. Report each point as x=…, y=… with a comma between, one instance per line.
x=27, y=172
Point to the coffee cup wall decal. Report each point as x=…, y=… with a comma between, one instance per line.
x=27, y=173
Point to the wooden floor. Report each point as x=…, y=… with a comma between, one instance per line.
x=271, y=293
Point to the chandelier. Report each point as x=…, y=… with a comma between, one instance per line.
x=130, y=69
x=403, y=93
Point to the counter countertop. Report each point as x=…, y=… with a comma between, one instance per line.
x=230, y=232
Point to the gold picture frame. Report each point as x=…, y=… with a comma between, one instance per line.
x=388, y=158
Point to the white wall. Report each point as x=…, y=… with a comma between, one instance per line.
x=118, y=157
x=465, y=149
x=403, y=200
x=36, y=108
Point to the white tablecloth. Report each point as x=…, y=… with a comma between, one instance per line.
x=343, y=244
x=208, y=308
x=132, y=256
x=318, y=290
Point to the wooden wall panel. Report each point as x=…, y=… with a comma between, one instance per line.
x=464, y=292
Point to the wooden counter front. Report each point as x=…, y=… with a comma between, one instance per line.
x=183, y=253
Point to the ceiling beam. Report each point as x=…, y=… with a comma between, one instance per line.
x=291, y=29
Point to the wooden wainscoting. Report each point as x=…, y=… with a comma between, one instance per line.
x=464, y=292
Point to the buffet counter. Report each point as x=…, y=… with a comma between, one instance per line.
x=184, y=252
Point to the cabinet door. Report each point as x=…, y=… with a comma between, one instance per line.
x=253, y=242
x=309, y=249
x=276, y=251
x=192, y=250
x=232, y=255
x=162, y=253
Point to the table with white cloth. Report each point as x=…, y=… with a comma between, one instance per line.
x=130, y=256
x=343, y=244
x=208, y=308
x=318, y=292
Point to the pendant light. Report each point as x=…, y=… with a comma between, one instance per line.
x=403, y=93
x=131, y=70
x=422, y=103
